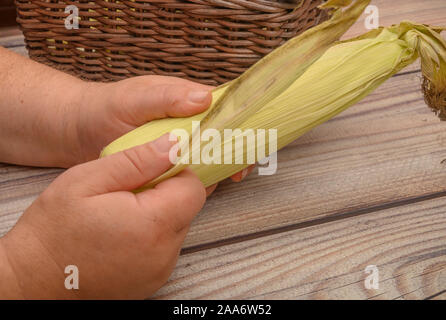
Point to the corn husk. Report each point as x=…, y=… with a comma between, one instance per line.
x=304, y=83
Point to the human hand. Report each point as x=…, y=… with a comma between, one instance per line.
x=112, y=110
x=49, y=118
x=125, y=245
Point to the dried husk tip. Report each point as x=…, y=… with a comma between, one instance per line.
x=430, y=46
x=435, y=97
x=433, y=66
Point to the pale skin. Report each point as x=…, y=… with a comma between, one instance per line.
x=124, y=244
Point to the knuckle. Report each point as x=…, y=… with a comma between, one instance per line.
x=194, y=188
x=165, y=227
x=163, y=233
x=135, y=158
x=167, y=220
x=188, y=200
x=118, y=92
x=171, y=96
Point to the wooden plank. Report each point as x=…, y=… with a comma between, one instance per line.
x=407, y=244
x=10, y=31
x=390, y=139
x=11, y=37
x=19, y=186
x=20, y=50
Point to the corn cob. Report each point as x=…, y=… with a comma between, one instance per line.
x=304, y=83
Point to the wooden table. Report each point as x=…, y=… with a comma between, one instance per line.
x=366, y=188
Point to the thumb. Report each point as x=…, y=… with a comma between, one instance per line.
x=159, y=97
x=123, y=171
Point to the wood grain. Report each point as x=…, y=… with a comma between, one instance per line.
x=328, y=261
x=391, y=12
x=12, y=38
x=19, y=186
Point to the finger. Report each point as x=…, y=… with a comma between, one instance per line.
x=211, y=189
x=149, y=98
x=176, y=201
x=239, y=176
x=123, y=171
x=156, y=79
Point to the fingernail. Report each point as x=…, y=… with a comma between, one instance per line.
x=164, y=143
x=198, y=96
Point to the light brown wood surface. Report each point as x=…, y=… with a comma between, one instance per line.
x=360, y=189
x=327, y=261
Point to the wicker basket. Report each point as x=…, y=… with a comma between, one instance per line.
x=208, y=41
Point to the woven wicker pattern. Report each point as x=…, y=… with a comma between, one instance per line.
x=209, y=41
